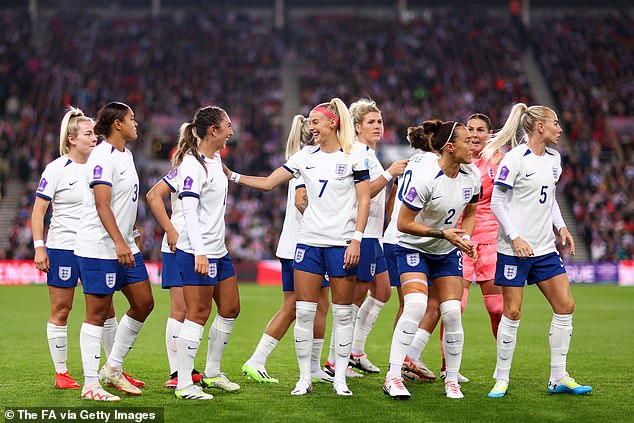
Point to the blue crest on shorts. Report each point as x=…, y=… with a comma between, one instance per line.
x=64, y=272
x=172, y=174
x=187, y=183
x=340, y=169
x=467, y=193
x=510, y=271
x=299, y=255
x=413, y=259
x=213, y=270
x=111, y=280
x=42, y=185
x=97, y=172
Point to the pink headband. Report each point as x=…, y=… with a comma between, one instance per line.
x=327, y=113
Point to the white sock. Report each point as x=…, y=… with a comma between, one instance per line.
x=453, y=338
x=368, y=313
x=331, y=347
x=418, y=344
x=172, y=328
x=58, y=345
x=342, y=322
x=109, y=332
x=303, y=332
x=315, y=357
x=217, y=341
x=413, y=311
x=125, y=338
x=89, y=344
x=186, y=349
x=506, y=341
x=559, y=340
x=265, y=347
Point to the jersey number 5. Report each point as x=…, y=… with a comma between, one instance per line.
x=543, y=194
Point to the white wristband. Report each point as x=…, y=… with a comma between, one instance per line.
x=358, y=236
x=38, y=243
x=387, y=175
x=466, y=237
x=235, y=177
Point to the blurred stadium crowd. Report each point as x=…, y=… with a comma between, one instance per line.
x=445, y=65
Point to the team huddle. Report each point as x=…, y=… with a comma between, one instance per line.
x=460, y=211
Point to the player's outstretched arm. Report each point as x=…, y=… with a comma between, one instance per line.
x=263, y=183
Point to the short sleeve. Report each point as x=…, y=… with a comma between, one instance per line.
x=299, y=183
x=48, y=184
x=507, y=172
x=360, y=158
x=477, y=181
x=192, y=178
x=171, y=179
x=295, y=163
x=417, y=194
x=101, y=170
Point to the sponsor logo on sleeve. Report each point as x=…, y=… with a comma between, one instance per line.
x=97, y=172
x=187, y=183
x=413, y=259
x=64, y=272
x=555, y=173
x=341, y=169
x=42, y=186
x=490, y=172
x=504, y=173
x=510, y=271
x=172, y=174
x=411, y=194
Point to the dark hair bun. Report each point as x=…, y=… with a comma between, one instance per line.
x=432, y=127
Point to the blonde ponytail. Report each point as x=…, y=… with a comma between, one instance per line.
x=70, y=126
x=299, y=135
x=346, y=128
x=520, y=116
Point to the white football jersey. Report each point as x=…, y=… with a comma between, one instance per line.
x=374, y=228
x=440, y=201
x=292, y=220
x=417, y=161
x=109, y=166
x=211, y=190
x=531, y=181
x=331, y=215
x=172, y=180
x=65, y=184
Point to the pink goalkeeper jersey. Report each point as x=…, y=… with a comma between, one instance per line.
x=486, y=230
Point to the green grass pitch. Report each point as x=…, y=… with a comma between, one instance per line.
x=600, y=355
